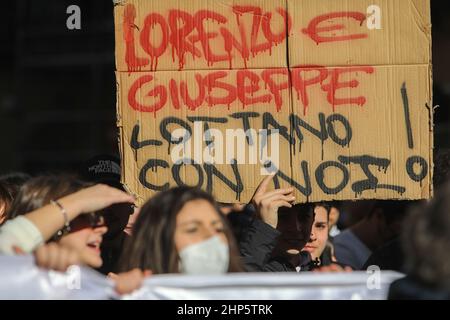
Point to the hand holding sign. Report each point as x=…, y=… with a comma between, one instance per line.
x=267, y=203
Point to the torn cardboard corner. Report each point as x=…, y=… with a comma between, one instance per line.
x=343, y=87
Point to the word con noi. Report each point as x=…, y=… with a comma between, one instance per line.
x=204, y=176
x=189, y=148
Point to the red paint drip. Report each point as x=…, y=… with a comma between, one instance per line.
x=193, y=104
x=335, y=85
x=243, y=89
x=274, y=87
x=211, y=80
x=179, y=35
x=133, y=62
x=157, y=91
x=301, y=84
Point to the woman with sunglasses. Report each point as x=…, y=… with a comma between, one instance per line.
x=59, y=209
x=64, y=231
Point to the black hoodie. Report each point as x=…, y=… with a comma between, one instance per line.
x=257, y=243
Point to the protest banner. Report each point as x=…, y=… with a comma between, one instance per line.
x=20, y=278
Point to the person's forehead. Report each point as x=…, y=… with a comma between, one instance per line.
x=197, y=210
x=320, y=214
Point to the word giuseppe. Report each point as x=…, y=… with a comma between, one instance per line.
x=249, y=87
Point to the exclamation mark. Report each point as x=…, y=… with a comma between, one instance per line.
x=407, y=117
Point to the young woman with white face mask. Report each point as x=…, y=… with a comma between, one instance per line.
x=181, y=231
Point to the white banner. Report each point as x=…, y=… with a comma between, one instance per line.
x=21, y=279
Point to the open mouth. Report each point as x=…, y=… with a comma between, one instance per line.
x=94, y=245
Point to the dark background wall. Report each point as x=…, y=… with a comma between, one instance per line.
x=57, y=87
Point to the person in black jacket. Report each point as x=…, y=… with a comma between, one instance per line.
x=105, y=169
x=274, y=239
x=426, y=245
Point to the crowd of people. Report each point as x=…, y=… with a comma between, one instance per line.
x=90, y=219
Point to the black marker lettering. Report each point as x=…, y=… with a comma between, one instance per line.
x=153, y=164
x=320, y=177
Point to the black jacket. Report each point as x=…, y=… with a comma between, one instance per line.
x=409, y=288
x=256, y=245
x=111, y=254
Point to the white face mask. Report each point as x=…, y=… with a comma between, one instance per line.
x=207, y=257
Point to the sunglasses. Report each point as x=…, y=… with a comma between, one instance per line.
x=90, y=220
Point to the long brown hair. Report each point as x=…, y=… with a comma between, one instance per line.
x=37, y=192
x=5, y=202
x=152, y=245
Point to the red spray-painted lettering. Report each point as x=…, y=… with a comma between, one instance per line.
x=314, y=29
x=182, y=31
x=250, y=87
x=305, y=76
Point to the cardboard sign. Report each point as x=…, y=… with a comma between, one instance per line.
x=333, y=96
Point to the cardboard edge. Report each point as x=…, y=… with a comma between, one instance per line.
x=120, y=131
x=117, y=26
x=431, y=108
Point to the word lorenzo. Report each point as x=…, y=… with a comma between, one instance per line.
x=186, y=33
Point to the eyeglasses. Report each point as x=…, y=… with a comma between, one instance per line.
x=90, y=220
